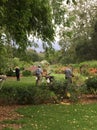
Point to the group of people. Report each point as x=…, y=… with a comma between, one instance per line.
x=39, y=73
x=68, y=75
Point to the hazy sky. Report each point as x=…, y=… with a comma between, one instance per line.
x=39, y=42
x=40, y=48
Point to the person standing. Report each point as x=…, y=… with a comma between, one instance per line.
x=68, y=76
x=17, y=72
x=39, y=73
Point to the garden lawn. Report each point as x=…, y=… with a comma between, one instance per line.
x=28, y=81
x=57, y=117
x=24, y=81
x=31, y=79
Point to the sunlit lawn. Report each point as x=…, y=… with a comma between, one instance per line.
x=58, y=117
x=28, y=81
x=24, y=81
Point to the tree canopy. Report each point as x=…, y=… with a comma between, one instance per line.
x=73, y=22
x=19, y=18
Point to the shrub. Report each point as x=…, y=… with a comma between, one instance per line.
x=26, y=73
x=26, y=95
x=91, y=84
x=10, y=73
x=63, y=91
x=75, y=92
x=59, y=88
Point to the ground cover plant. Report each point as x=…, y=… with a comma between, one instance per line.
x=54, y=117
x=26, y=92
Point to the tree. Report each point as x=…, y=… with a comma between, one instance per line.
x=32, y=56
x=94, y=41
x=85, y=33
x=19, y=18
x=76, y=38
x=23, y=17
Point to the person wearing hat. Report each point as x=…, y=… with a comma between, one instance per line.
x=17, y=72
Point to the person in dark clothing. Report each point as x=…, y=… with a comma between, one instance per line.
x=17, y=71
x=49, y=79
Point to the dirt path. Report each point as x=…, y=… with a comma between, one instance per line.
x=8, y=113
x=87, y=99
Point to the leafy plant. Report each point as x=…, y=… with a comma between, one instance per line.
x=26, y=73
x=91, y=84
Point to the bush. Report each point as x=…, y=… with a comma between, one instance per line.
x=63, y=91
x=10, y=73
x=26, y=73
x=91, y=84
x=59, y=88
x=26, y=95
x=74, y=92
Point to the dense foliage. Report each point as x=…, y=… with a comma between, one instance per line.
x=91, y=84
x=72, y=22
x=20, y=18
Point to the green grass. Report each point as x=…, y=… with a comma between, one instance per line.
x=59, y=76
x=28, y=81
x=58, y=117
x=24, y=81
